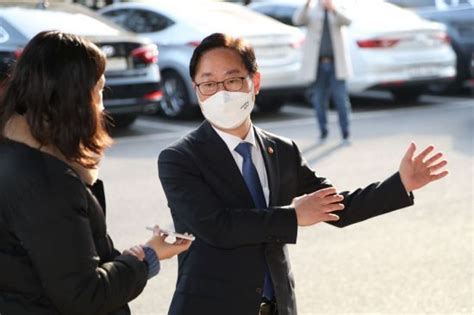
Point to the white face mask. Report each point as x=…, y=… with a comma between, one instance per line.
x=228, y=110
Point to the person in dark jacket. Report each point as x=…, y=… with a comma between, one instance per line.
x=55, y=254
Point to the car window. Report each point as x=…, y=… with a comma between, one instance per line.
x=285, y=14
x=4, y=36
x=118, y=16
x=267, y=10
x=143, y=21
x=281, y=13
x=414, y=3
x=440, y=4
x=460, y=3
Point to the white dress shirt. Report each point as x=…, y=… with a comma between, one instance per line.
x=232, y=142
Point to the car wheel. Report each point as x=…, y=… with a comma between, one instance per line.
x=123, y=120
x=269, y=104
x=176, y=99
x=410, y=95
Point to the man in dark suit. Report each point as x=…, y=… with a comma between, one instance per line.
x=243, y=192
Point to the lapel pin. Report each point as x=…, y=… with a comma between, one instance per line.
x=270, y=150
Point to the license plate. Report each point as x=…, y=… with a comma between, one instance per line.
x=423, y=72
x=116, y=64
x=272, y=52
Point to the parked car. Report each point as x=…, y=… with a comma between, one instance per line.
x=132, y=74
x=177, y=27
x=391, y=48
x=458, y=16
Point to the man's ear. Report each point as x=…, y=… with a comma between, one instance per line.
x=256, y=82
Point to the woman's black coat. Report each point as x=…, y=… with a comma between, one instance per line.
x=55, y=254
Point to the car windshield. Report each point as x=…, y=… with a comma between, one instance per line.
x=76, y=23
x=439, y=4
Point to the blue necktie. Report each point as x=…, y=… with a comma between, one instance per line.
x=254, y=186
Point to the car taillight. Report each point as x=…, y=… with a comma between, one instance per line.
x=154, y=96
x=443, y=37
x=377, y=43
x=18, y=52
x=148, y=54
x=193, y=43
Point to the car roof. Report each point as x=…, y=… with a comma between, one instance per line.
x=211, y=15
x=295, y=3
x=68, y=18
x=372, y=16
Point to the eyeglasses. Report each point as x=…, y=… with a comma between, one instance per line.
x=232, y=84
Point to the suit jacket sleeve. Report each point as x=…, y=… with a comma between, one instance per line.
x=361, y=204
x=60, y=245
x=195, y=203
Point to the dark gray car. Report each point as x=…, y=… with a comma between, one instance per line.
x=132, y=74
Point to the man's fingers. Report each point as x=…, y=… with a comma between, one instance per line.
x=434, y=177
x=330, y=217
x=409, y=153
x=334, y=198
x=324, y=192
x=438, y=166
x=425, y=153
x=434, y=158
x=333, y=207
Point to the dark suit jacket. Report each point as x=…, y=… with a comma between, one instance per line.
x=223, y=271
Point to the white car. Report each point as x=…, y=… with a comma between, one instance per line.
x=391, y=48
x=177, y=27
x=132, y=75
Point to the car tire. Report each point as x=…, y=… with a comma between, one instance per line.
x=176, y=101
x=269, y=104
x=123, y=120
x=411, y=94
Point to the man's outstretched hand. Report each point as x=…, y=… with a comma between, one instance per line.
x=426, y=167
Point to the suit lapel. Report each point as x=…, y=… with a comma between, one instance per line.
x=270, y=157
x=221, y=163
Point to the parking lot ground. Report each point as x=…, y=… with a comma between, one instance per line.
x=417, y=260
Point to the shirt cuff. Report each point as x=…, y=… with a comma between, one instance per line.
x=152, y=261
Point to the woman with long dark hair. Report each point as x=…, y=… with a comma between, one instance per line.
x=55, y=254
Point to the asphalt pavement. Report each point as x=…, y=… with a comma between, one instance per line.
x=418, y=260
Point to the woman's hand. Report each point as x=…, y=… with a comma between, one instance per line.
x=163, y=249
x=136, y=251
